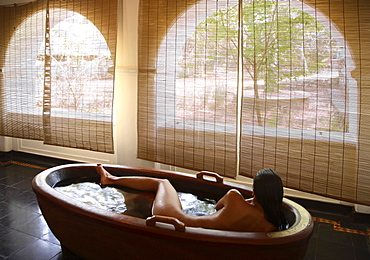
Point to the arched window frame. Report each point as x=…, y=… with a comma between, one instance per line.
x=165, y=139
x=89, y=131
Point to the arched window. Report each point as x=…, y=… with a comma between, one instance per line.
x=236, y=86
x=58, y=74
x=81, y=68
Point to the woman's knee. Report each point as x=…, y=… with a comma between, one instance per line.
x=166, y=184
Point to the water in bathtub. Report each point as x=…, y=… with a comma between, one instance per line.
x=131, y=202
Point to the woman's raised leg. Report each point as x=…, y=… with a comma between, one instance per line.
x=166, y=200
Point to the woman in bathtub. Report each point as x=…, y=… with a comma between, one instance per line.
x=262, y=213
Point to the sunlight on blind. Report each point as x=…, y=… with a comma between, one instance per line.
x=82, y=66
x=185, y=100
x=22, y=36
x=303, y=75
x=59, y=73
x=300, y=100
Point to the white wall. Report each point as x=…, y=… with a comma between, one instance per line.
x=126, y=86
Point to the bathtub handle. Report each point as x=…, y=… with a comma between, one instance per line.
x=219, y=179
x=179, y=226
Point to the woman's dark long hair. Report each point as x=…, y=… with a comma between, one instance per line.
x=268, y=190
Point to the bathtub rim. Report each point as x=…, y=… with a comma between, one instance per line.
x=300, y=230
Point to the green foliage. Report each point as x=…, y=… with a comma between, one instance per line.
x=279, y=42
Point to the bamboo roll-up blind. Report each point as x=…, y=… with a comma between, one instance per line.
x=183, y=104
x=308, y=119
x=58, y=72
x=22, y=36
x=82, y=47
x=236, y=86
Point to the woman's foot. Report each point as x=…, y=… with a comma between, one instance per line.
x=105, y=177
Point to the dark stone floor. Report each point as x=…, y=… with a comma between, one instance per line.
x=339, y=233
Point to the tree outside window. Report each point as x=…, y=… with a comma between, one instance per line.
x=292, y=66
x=80, y=68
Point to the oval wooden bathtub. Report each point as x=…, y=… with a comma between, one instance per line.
x=93, y=233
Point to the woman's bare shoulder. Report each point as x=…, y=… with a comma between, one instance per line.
x=235, y=197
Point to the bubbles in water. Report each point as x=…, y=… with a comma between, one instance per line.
x=112, y=199
x=192, y=205
x=93, y=194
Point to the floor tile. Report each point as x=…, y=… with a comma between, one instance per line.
x=17, y=217
x=4, y=209
x=334, y=244
x=8, y=192
x=58, y=257
x=4, y=230
x=13, y=242
x=24, y=185
x=39, y=249
x=361, y=246
x=14, y=174
x=34, y=207
x=23, y=199
x=51, y=238
x=36, y=227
